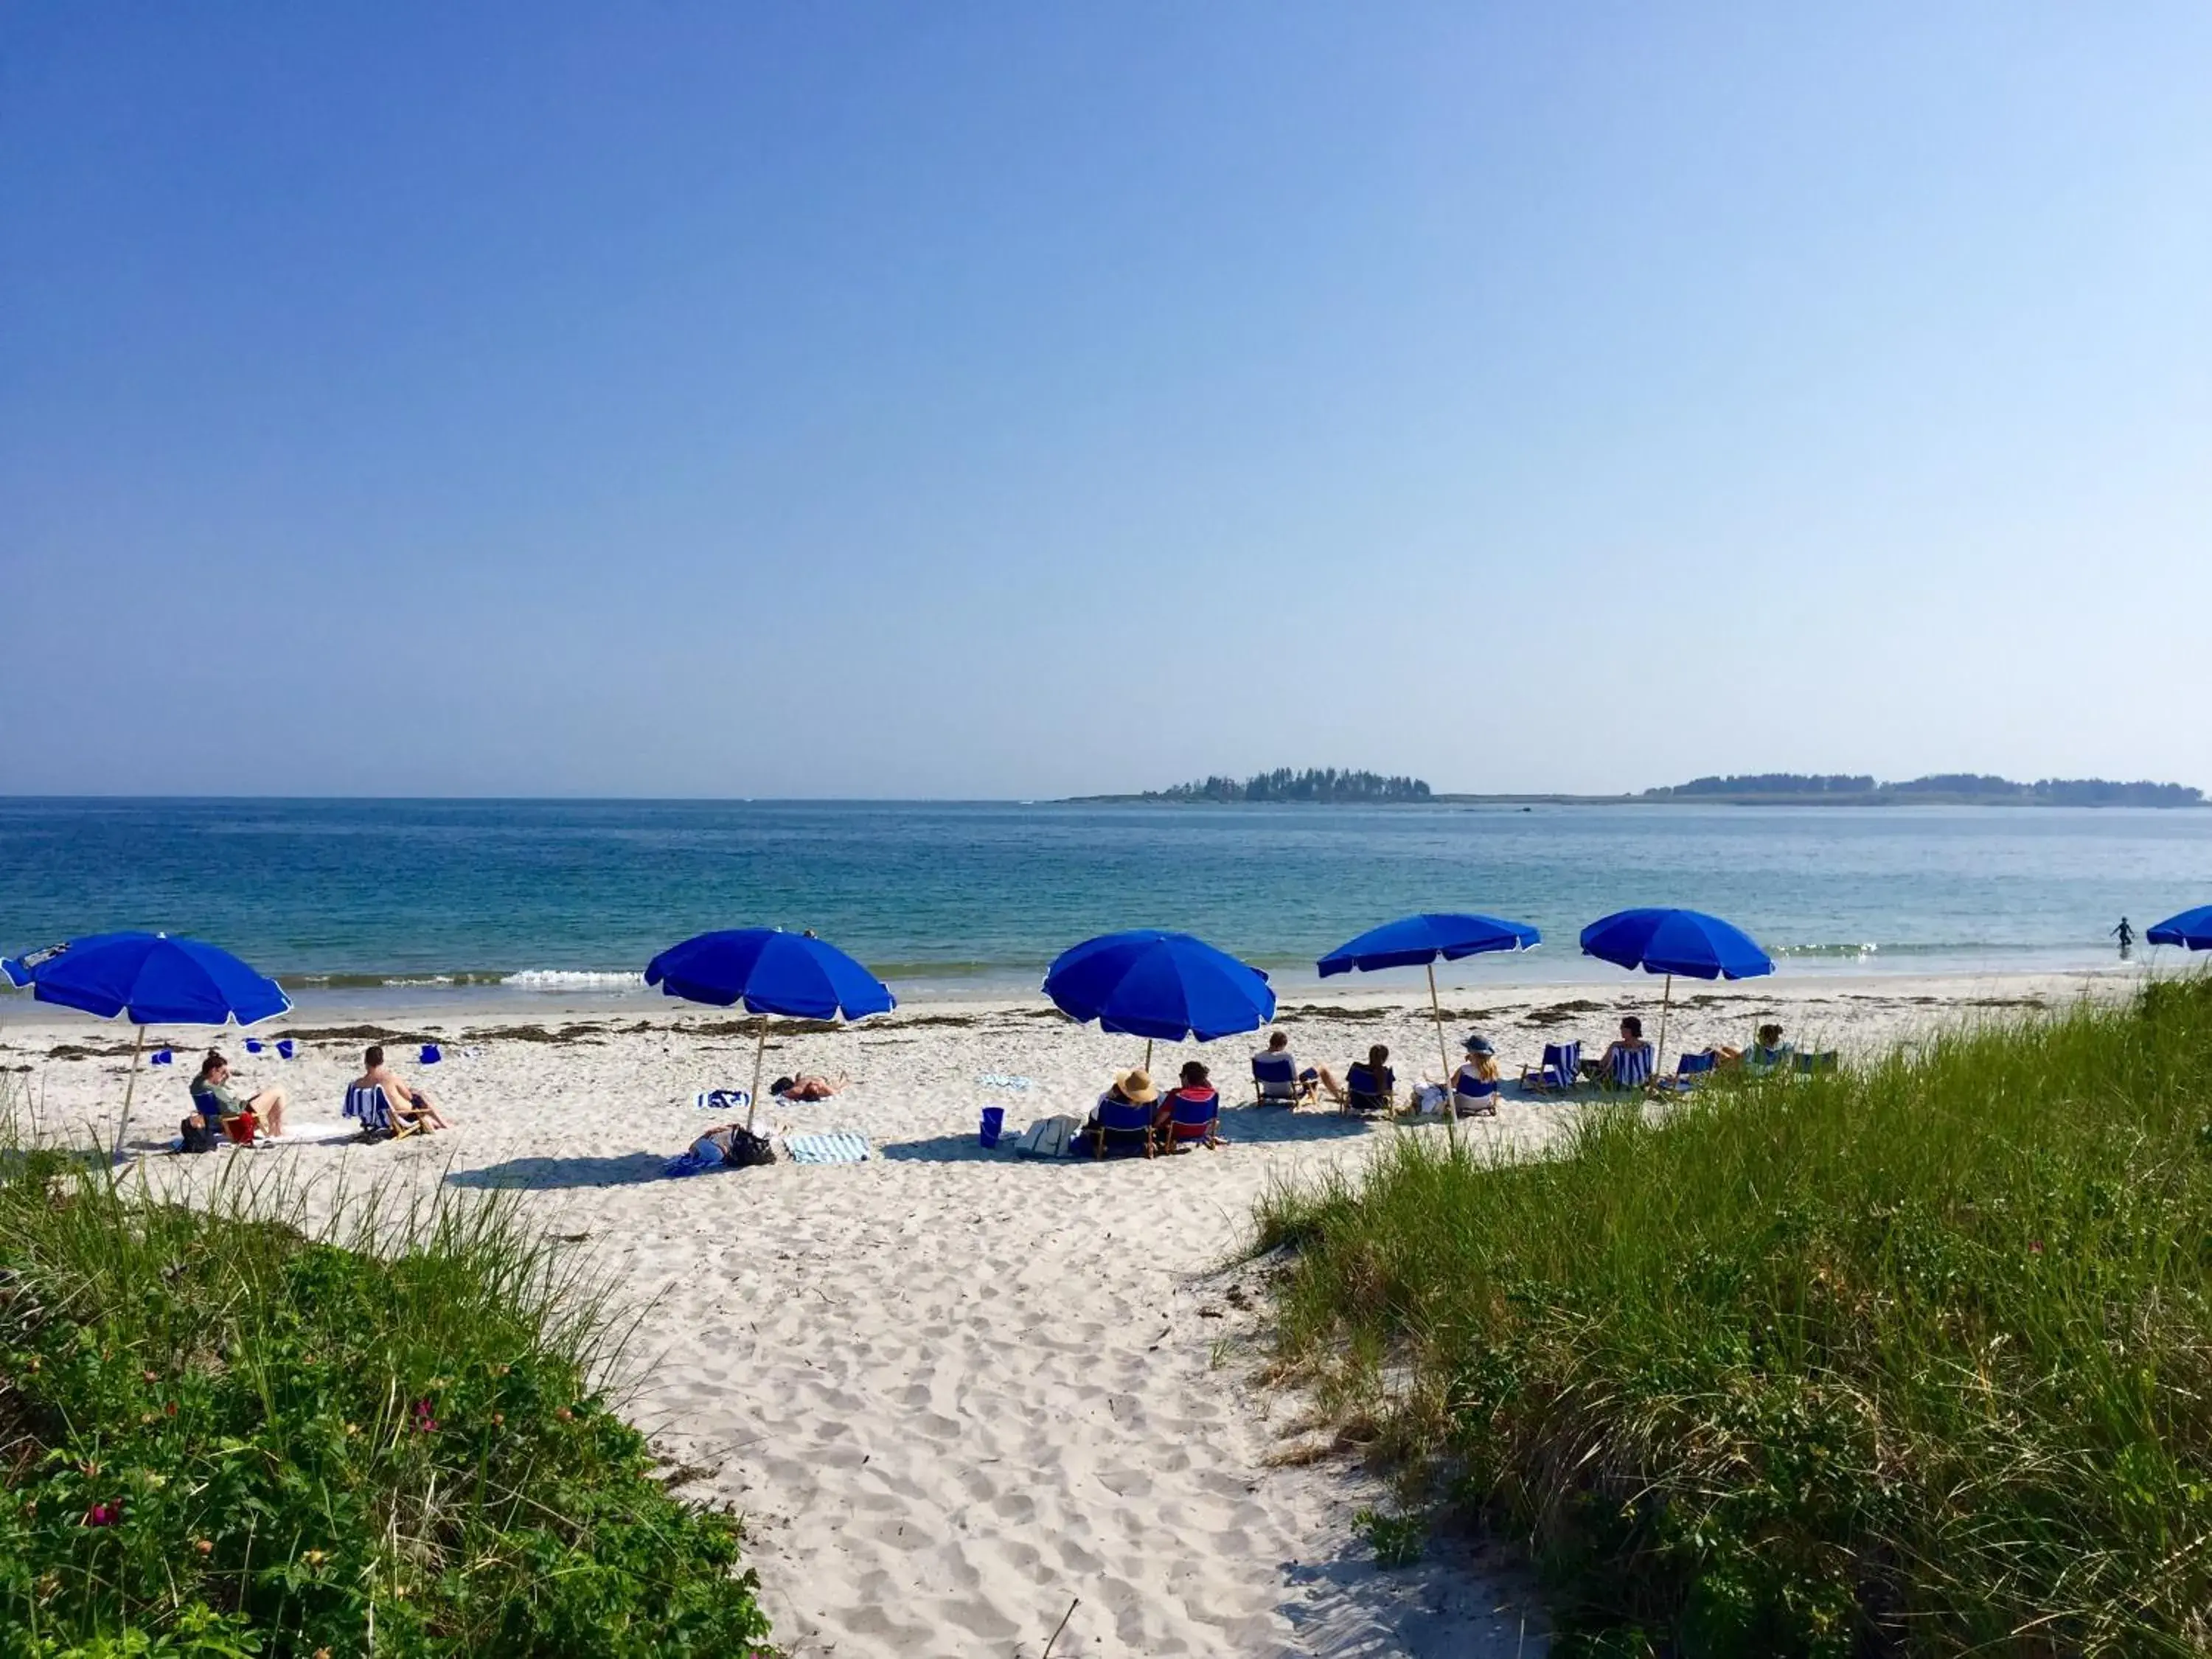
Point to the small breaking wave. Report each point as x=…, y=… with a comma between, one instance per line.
x=573, y=979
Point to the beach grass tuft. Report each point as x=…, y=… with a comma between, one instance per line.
x=225, y=1431
x=1913, y=1358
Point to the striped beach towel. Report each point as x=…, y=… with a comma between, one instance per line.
x=722, y=1100
x=1000, y=1080
x=835, y=1146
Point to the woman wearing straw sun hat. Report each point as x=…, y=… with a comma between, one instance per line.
x=1124, y=1117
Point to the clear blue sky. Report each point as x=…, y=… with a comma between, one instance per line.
x=1019, y=399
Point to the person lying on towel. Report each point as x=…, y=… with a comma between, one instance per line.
x=807, y=1087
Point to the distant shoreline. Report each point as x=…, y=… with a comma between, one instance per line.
x=1872, y=799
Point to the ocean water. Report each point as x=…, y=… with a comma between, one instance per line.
x=513, y=897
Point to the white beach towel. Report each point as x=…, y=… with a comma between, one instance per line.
x=835, y=1146
x=1048, y=1136
x=1000, y=1080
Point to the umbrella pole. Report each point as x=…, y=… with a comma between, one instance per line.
x=1665, y=1001
x=129, y=1084
x=760, y=1048
x=1148, y=1056
x=1451, y=1106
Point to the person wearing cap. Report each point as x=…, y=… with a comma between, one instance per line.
x=1476, y=1080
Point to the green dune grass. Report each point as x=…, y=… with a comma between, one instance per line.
x=223, y=1434
x=1912, y=1358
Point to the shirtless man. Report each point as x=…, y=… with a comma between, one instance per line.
x=408, y=1104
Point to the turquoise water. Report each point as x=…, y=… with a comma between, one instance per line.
x=945, y=898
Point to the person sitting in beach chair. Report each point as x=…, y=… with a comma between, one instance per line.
x=224, y=1107
x=411, y=1108
x=1475, y=1085
x=1767, y=1051
x=1276, y=1079
x=1125, y=1119
x=1627, y=1062
x=1560, y=1071
x=1191, y=1112
x=373, y=1110
x=806, y=1086
x=1367, y=1087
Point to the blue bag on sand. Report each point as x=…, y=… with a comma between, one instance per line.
x=995, y=1122
x=253, y=1045
x=430, y=1055
x=163, y=1057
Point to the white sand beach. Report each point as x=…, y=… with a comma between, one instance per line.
x=953, y=1391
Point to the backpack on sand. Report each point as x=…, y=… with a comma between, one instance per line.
x=735, y=1144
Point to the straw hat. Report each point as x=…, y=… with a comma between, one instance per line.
x=1136, y=1088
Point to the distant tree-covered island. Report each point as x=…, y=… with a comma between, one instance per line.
x=1327, y=785
x=1957, y=788
x=1322, y=784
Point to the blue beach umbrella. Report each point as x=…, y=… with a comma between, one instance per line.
x=770, y=972
x=1418, y=941
x=1672, y=942
x=2191, y=929
x=1159, y=985
x=149, y=979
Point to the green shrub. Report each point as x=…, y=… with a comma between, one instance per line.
x=1916, y=1358
x=223, y=1436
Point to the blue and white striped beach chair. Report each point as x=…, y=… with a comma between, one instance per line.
x=1823, y=1061
x=1631, y=1067
x=1561, y=1070
x=1472, y=1096
x=374, y=1112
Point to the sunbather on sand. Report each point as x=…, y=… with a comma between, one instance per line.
x=1378, y=1068
x=1306, y=1083
x=806, y=1086
x=1127, y=1088
x=1767, y=1051
x=267, y=1105
x=1629, y=1039
x=410, y=1105
x=1195, y=1089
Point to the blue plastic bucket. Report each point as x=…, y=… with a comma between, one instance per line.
x=995, y=1122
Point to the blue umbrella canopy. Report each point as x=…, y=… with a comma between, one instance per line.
x=1418, y=941
x=1687, y=942
x=2191, y=928
x=150, y=979
x=1672, y=942
x=1165, y=986
x=1412, y=941
x=770, y=972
